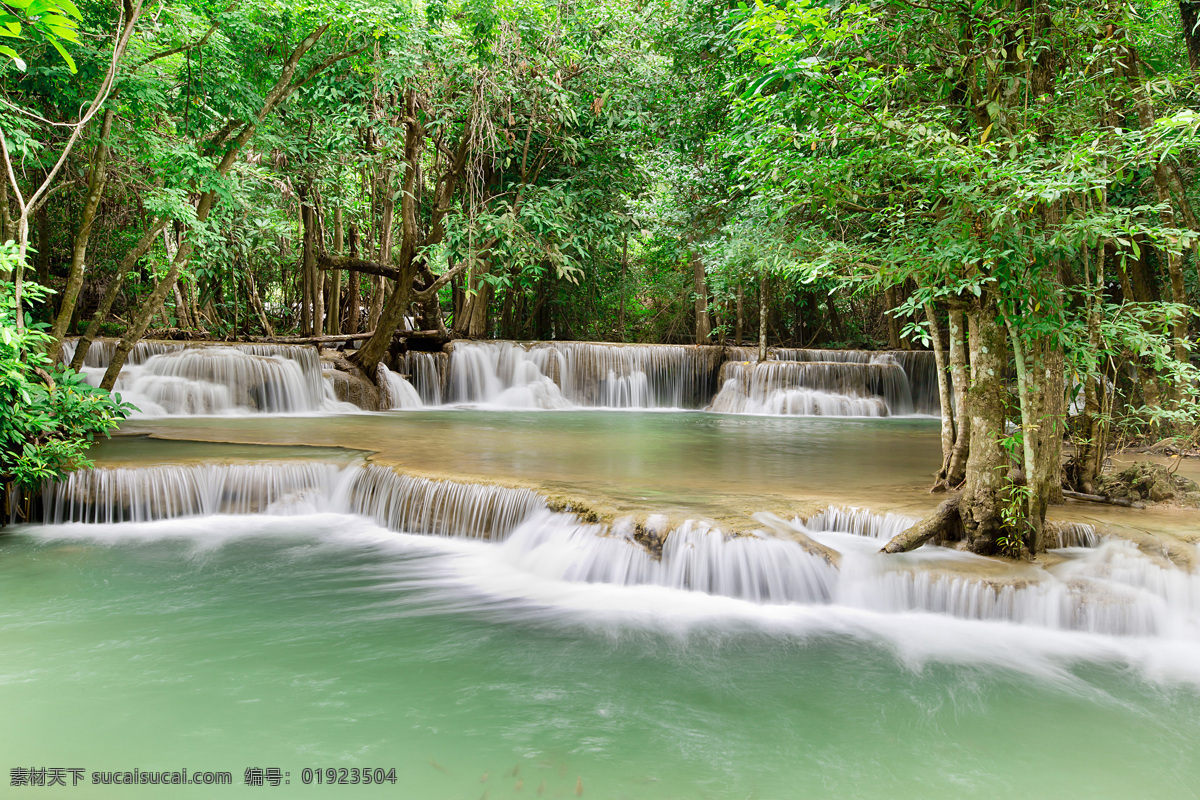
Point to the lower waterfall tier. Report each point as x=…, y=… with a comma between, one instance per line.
x=1111, y=588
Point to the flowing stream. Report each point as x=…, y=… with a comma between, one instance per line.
x=580, y=603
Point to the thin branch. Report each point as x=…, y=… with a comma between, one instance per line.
x=198, y=43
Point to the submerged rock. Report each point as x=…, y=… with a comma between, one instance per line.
x=1144, y=480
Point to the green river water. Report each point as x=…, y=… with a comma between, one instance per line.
x=321, y=640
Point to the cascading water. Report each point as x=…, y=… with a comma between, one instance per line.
x=844, y=383
x=566, y=374
x=427, y=374
x=810, y=388
x=398, y=392
x=397, y=502
x=1113, y=589
x=177, y=379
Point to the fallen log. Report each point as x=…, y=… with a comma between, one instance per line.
x=1099, y=498
x=330, y=263
x=346, y=337
x=941, y=520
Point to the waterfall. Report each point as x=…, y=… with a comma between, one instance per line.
x=695, y=557
x=588, y=374
x=398, y=392
x=436, y=508
x=503, y=374
x=394, y=501
x=427, y=374
x=1111, y=589
x=147, y=494
x=807, y=388
x=182, y=379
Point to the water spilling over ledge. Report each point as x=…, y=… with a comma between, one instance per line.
x=1112, y=589
x=214, y=379
x=218, y=379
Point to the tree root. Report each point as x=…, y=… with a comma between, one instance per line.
x=944, y=522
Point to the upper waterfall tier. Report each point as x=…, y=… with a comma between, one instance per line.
x=844, y=383
x=185, y=379
x=556, y=375
x=566, y=374
x=190, y=379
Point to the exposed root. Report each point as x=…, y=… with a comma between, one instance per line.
x=944, y=523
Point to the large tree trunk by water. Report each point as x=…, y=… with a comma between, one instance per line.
x=987, y=464
x=975, y=515
x=391, y=316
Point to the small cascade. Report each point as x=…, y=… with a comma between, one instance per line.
x=636, y=376
x=184, y=379
x=566, y=374
x=920, y=369
x=815, y=388
x=437, y=508
x=398, y=393
x=502, y=374
x=860, y=522
x=146, y=494
x=695, y=557
x=427, y=374
x=397, y=502
x=1072, y=534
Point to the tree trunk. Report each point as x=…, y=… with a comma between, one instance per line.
x=1089, y=455
x=943, y=523
x=939, y=358
x=1189, y=13
x=893, y=324
x=257, y=303
x=391, y=316
x=700, y=289
x=741, y=317
x=762, y=317
x=312, y=315
x=114, y=287
x=353, y=312
x=984, y=492
x=333, y=324
x=956, y=471
x=97, y=177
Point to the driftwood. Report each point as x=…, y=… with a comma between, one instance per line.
x=1099, y=498
x=940, y=521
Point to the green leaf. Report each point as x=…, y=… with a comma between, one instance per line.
x=62, y=52
x=8, y=51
